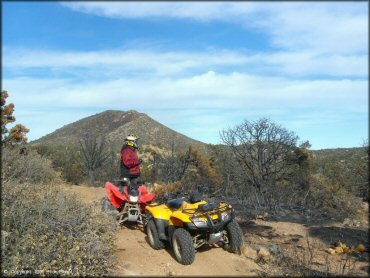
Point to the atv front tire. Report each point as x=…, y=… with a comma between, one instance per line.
x=183, y=246
x=153, y=237
x=235, y=236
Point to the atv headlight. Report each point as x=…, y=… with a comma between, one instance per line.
x=199, y=222
x=225, y=216
x=134, y=199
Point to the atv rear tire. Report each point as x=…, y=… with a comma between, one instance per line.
x=183, y=246
x=152, y=232
x=235, y=236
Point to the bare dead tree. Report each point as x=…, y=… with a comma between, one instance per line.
x=228, y=167
x=174, y=167
x=94, y=154
x=262, y=149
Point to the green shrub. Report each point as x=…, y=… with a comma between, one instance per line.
x=45, y=230
x=25, y=165
x=329, y=199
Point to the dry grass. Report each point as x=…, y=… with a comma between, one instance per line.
x=160, y=189
x=45, y=229
x=309, y=259
x=26, y=166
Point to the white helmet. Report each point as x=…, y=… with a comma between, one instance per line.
x=132, y=141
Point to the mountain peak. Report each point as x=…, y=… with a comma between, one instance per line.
x=120, y=111
x=114, y=125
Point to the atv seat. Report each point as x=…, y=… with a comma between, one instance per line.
x=175, y=203
x=195, y=197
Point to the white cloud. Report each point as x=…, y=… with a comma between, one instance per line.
x=160, y=62
x=304, y=63
x=205, y=91
x=168, y=63
x=324, y=27
x=198, y=106
x=202, y=11
x=313, y=38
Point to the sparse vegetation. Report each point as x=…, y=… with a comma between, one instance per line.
x=114, y=126
x=45, y=230
x=327, y=200
x=313, y=186
x=263, y=171
x=346, y=167
x=24, y=165
x=72, y=238
x=65, y=159
x=94, y=154
x=191, y=169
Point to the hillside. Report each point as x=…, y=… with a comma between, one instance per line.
x=115, y=125
x=341, y=153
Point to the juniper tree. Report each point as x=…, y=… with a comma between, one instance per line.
x=17, y=134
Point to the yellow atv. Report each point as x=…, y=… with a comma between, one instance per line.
x=188, y=223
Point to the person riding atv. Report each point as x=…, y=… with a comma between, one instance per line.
x=188, y=223
x=130, y=163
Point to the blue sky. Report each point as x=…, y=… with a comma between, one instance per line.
x=196, y=67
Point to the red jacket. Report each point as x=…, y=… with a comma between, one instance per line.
x=130, y=163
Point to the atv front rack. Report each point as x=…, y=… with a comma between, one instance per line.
x=209, y=208
x=202, y=217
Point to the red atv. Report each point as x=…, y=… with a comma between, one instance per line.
x=130, y=208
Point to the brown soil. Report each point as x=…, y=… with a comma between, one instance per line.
x=285, y=241
x=136, y=257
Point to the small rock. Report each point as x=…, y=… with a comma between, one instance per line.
x=360, y=248
x=274, y=249
x=347, y=222
x=249, y=252
x=264, y=254
x=356, y=224
x=256, y=246
x=4, y=233
x=331, y=251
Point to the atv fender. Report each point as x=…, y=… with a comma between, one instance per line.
x=159, y=211
x=115, y=196
x=176, y=222
x=178, y=218
x=171, y=230
x=161, y=225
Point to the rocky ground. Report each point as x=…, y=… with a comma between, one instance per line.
x=285, y=246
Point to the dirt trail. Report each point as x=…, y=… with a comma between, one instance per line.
x=136, y=257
